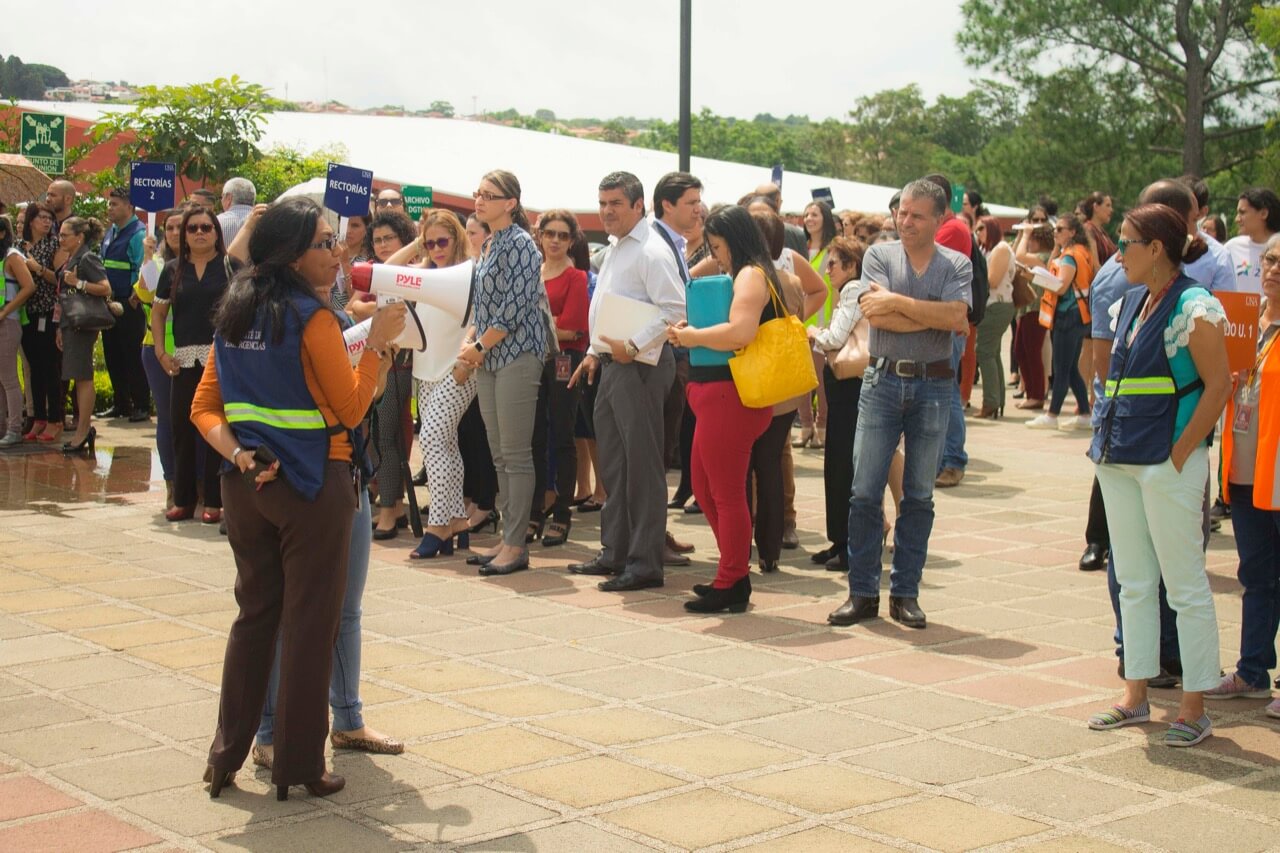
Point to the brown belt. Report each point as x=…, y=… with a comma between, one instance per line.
x=907, y=369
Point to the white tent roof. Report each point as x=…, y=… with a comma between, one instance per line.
x=450, y=155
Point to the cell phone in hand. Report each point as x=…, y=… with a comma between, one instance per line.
x=265, y=457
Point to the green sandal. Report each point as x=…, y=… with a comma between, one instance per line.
x=1118, y=716
x=1184, y=733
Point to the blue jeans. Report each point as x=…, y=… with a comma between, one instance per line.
x=953, y=455
x=891, y=407
x=344, y=683
x=1067, y=337
x=1258, y=544
x=161, y=385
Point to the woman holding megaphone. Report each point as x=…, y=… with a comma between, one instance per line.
x=278, y=400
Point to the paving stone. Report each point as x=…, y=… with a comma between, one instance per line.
x=934, y=762
x=820, y=839
x=613, y=726
x=450, y=816
x=93, y=831
x=22, y=796
x=421, y=718
x=443, y=676
x=573, y=836
x=735, y=663
x=526, y=700
x=1186, y=827
x=74, y=742
x=824, y=684
x=682, y=820
x=183, y=722
x=138, y=773
x=948, y=824
x=551, y=660
x=591, y=781
x=1073, y=844
x=91, y=616
x=477, y=641
x=375, y=777
x=713, y=754
x=650, y=643
x=1038, y=737
x=1164, y=768
x=824, y=732
x=374, y=656
x=1021, y=691
x=46, y=598
x=634, y=681
x=1055, y=794
x=492, y=750
x=187, y=603
x=184, y=811
x=326, y=832
x=120, y=637
x=1259, y=797
x=184, y=654
x=823, y=788
x=39, y=648
x=574, y=626
x=30, y=712
x=80, y=672
x=138, y=694
x=924, y=711
x=723, y=705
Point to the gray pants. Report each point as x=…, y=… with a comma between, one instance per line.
x=629, y=437
x=508, y=401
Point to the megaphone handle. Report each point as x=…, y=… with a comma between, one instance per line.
x=342, y=229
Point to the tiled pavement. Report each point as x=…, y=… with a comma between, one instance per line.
x=543, y=715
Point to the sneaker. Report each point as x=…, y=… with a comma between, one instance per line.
x=11, y=439
x=1188, y=733
x=1118, y=716
x=1219, y=510
x=1233, y=687
x=1273, y=710
x=1045, y=421
x=1074, y=423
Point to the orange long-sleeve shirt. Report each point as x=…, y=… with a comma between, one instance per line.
x=341, y=394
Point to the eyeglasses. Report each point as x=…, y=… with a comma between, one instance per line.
x=388, y=238
x=328, y=243
x=390, y=202
x=1123, y=244
x=43, y=216
x=1270, y=260
x=1035, y=221
x=488, y=196
x=442, y=243
x=548, y=234
x=199, y=227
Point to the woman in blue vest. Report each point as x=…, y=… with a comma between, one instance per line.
x=278, y=397
x=1166, y=387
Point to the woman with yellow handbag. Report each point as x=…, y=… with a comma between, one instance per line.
x=733, y=404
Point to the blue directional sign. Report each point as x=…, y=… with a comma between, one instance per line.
x=776, y=177
x=347, y=190
x=823, y=194
x=151, y=185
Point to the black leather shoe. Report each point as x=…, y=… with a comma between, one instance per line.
x=420, y=478
x=906, y=611
x=693, y=509
x=825, y=554
x=1094, y=558
x=112, y=412
x=838, y=563
x=139, y=416
x=855, y=610
x=626, y=582
x=479, y=560
x=734, y=599
x=593, y=567
x=678, y=501
x=704, y=588
x=768, y=567
x=517, y=565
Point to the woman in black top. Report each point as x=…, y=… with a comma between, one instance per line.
x=39, y=337
x=726, y=429
x=190, y=288
x=82, y=271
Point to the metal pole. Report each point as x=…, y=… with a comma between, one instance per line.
x=686, y=129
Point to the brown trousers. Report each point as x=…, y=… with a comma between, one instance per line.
x=291, y=576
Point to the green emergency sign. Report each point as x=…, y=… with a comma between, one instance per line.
x=43, y=141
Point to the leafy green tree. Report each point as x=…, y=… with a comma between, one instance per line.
x=208, y=129
x=889, y=136
x=282, y=167
x=1199, y=75
x=545, y=116
x=612, y=131
x=443, y=107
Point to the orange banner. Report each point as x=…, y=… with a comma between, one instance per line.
x=1242, y=327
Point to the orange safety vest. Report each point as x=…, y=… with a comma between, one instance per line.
x=1266, y=468
x=1084, y=278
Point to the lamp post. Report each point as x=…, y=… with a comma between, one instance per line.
x=686, y=129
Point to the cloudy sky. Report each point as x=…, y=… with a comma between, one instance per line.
x=586, y=58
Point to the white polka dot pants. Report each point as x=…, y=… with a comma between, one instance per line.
x=441, y=406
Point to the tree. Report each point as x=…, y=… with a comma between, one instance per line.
x=21, y=81
x=282, y=167
x=612, y=131
x=207, y=129
x=1194, y=63
x=544, y=115
x=443, y=107
x=889, y=137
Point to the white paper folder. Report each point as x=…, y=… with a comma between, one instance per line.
x=621, y=318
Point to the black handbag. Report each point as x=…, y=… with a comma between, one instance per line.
x=84, y=312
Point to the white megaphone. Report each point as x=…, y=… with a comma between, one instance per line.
x=447, y=288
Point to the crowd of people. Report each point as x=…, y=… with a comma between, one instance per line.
x=529, y=416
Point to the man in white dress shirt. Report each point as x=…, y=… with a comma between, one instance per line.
x=634, y=374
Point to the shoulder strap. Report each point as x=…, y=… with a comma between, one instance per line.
x=671, y=244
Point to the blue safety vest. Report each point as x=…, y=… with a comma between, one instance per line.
x=266, y=400
x=121, y=272
x=1138, y=410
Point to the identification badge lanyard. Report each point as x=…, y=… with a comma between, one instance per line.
x=1250, y=391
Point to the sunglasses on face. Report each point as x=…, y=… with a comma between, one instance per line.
x=1123, y=244
x=442, y=243
x=1035, y=221
x=199, y=227
x=328, y=243
x=390, y=202
x=548, y=234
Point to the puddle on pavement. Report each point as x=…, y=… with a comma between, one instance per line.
x=44, y=480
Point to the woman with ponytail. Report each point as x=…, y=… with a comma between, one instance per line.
x=1167, y=383
x=507, y=345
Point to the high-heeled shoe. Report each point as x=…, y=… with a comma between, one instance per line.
x=990, y=414
x=329, y=783
x=819, y=438
x=432, y=546
x=534, y=530
x=825, y=554
x=211, y=516
x=37, y=427
x=85, y=446
x=218, y=779
x=519, y=564
x=557, y=534
x=806, y=435
x=180, y=513
x=735, y=600
x=50, y=436
x=490, y=520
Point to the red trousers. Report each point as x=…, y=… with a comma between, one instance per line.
x=722, y=443
x=1028, y=348
x=969, y=363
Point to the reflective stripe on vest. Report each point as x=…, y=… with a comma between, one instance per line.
x=278, y=418
x=117, y=265
x=1141, y=385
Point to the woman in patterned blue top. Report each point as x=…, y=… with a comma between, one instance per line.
x=506, y=347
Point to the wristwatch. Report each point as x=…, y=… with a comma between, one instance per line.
x=631, y=349
x=479, y=347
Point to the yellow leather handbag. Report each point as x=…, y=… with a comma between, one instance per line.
x=778, y=364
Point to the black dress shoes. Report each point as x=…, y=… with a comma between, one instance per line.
x=1094, y=558
x=855, y=610
x=592, y=567
x=906, y=611
x=705, y=588
x=627, y=582
x=825, y=554
x=768, y=567
x=734, y=599
x=693, y=509
x=139, y=415
x=479, y=560
x=838, y=563
x=678, y=501
x=518, y=565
